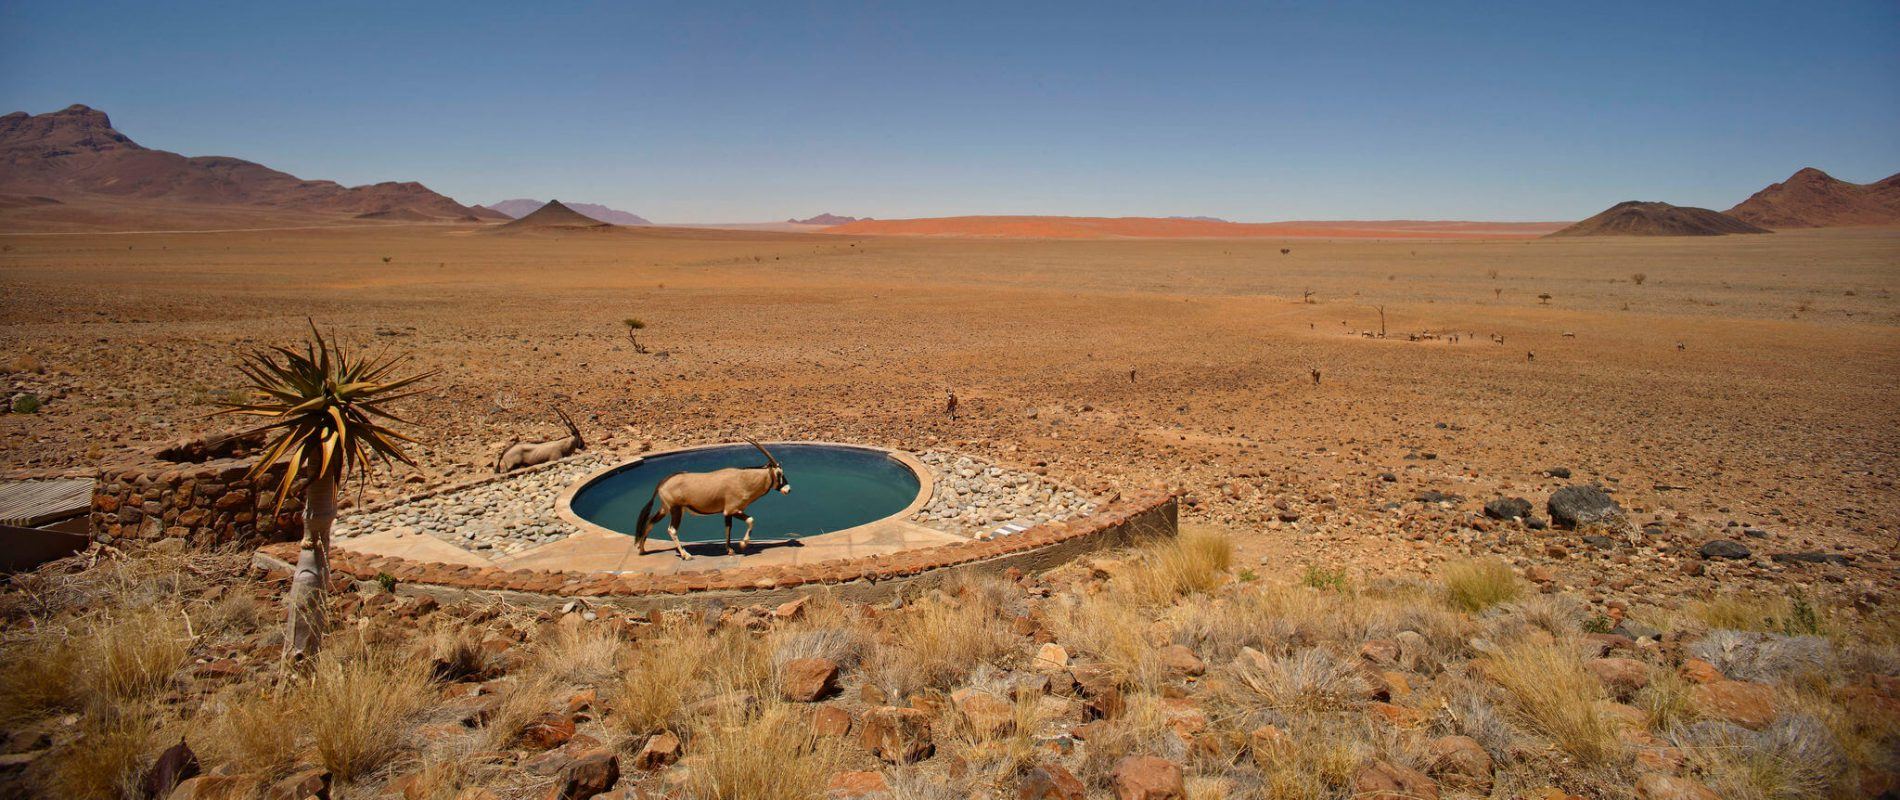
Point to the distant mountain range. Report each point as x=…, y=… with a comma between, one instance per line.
x=75, y=153
x=1639, y=218
x=521, y=207
x=826, y=219
x=1811, y=198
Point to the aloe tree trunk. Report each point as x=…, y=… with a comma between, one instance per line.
x=310, y=583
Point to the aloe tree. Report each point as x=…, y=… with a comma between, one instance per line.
x=322, y=405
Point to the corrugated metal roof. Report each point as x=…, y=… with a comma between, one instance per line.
x=29, y=504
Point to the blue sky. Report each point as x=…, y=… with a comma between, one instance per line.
x=705, y=111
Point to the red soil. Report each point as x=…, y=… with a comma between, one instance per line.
x=1037, y=227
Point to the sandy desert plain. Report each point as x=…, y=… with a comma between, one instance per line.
x=1747, y=388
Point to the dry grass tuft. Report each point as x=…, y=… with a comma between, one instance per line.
x=771, y=753
x=527, y=696
x=579, y=653
x=937, y=642
x=112, y=660
x=109, y=755
x=1310, y=680
x=1114, y=632
x=1474, y=586
x=251, y=729
x=1557, y=696
x=659, y=680
x=356, y=704
x=1195, y=561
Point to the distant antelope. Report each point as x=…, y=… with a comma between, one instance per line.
x=726, y=492
x=520, y=454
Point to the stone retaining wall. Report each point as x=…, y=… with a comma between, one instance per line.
x=1122, y=522
x=204, y=503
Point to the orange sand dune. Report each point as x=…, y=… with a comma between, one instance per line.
x=1035, y=227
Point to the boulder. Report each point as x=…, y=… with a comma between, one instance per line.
x=215, y=787
x=897, y=735
x=1147, y=778
x=1182, y=660
x=1050, y=782
x=858, y=785
x=1725, y=548
x=1461, y=763
x=1750, y=705
x=174, y=766
x=831, y=721
x=660, y=750
x=1655, y=786
x=301, y=785
x=593, y=772
x=1582, y=504
x=1508, y=508
x=985, y=713
x=1623, y=677
x=807, y=680
x=1383, y=780
x=547, y=731
x=1051, y=658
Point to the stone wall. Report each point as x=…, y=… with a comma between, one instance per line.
x=1120, y=523
x=196, y=492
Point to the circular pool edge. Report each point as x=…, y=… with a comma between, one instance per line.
x=926, y=484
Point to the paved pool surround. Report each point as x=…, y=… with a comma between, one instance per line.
x=867, y=562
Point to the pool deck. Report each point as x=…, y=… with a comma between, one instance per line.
x=598, y=549
x=603, y=551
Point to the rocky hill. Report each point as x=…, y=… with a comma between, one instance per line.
x=76, y=153
x=826, y=218
x=521, y=207
x=1640, y=218
x=555, y=216
x=1814, y=199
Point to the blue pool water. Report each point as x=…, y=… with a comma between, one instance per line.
x=833, y=487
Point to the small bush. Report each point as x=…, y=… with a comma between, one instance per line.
x=1324, y=579
x=1638, y=278
x=1194, y=561
x=26, y=403
x=772, y=753
x=356, y=704
x=1557, y=697
x=1477, y=585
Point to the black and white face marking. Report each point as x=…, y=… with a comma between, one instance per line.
x=779, y=482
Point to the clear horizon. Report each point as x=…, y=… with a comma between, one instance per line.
x=720, y=113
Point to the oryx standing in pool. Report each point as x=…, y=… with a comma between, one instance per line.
x=726, y=492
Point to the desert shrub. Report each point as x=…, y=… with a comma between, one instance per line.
x=455, y=653
x=772, y=752
x=250, y=729
x=1795, y=757
x=583, y=653
x=1313, y=679
x=1322, y=578
x=1476, y=585
x=1114, y=632
x=356, y=704
x=108, y=757
x=26, y=403
x=1556, y=696
x=1194, y=561
x=936, y=642
x=1638, y=278
x=659, y=680
x=526, y=697
x=1767, y=657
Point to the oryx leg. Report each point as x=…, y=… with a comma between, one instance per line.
x=728, y=534
x=673, y=530
x=747, y=541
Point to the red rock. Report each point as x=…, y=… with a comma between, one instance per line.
x=1461, y=763
x=1147, y=778
x=1750, y=705
x=986, y=714
x=1667, y=787
x=547, y=731
x=897, y=735
x=1382, y=780
x=1623, y=677
x=1696, y=670
x=857, y=785
x=1397, y=715
x=1182, y=660
x=215, y=787
x=302, y=785
x=1383, y=652
x=660, y=749
x=1050, y=782
x=582, y=700
x=593, y=772
x=806, y=680
x=831, y=721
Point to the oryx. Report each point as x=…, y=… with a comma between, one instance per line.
x=726, y=492
x=527, y=454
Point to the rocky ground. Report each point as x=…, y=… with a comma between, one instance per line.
x=975, y=498
x=1166, y=673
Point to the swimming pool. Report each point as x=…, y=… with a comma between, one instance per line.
x=834, y=487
